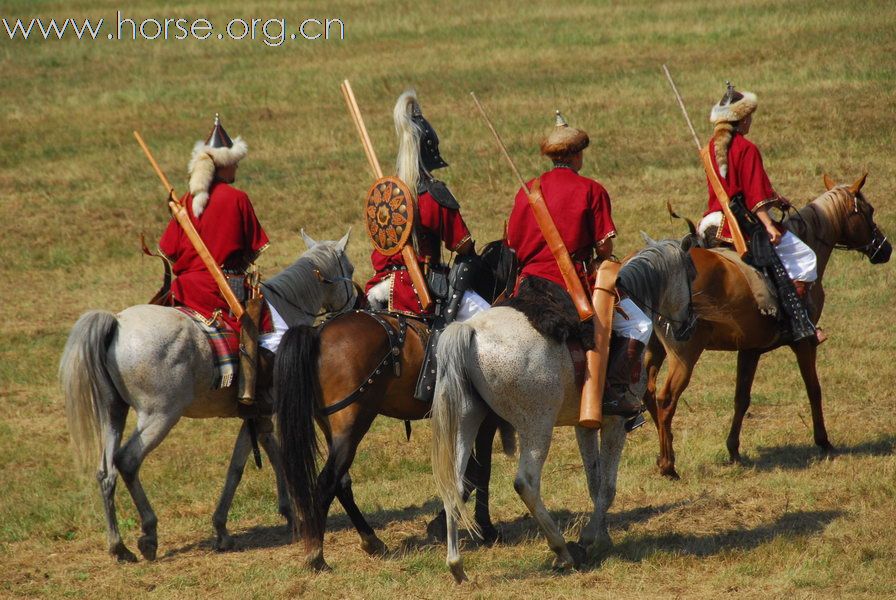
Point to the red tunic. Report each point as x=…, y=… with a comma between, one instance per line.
x=436, y=225
x=580, y=208
x=745, y=174
x=233, y=236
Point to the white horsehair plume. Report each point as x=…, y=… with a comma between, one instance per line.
x=407, y=162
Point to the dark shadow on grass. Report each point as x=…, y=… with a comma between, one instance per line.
x=798, y=456
x=524, y=529
x=789, y=525
x=256, y=538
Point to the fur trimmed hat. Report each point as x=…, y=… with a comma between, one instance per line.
x=216, y=151
x=563, y=140
x=733, y=106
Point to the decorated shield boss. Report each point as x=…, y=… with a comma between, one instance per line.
x=389, y=213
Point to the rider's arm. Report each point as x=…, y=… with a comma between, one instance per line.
x=604, y=249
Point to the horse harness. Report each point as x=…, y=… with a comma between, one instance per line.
x=396, y=337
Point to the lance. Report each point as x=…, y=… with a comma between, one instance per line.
x=179, y=211
x=407, y=250
x=740, y=244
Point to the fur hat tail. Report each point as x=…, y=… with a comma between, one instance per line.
x=202, y=166
x=407, y=162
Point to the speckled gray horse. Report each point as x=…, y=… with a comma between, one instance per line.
x=498, y=359
x=157, y=361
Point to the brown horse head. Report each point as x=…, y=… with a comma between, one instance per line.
x=859, y=231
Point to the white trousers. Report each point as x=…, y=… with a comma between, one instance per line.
x=798, y=258
x=638, y=326
x=271, y=340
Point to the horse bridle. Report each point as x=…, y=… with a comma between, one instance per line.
x=878, y=238
x=350, y=284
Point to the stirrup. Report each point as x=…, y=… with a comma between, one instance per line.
x=634, y=422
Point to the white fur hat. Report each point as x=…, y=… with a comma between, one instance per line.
x=733, y=106
x=216, y=151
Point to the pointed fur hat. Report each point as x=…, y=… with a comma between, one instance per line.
x=216, y=151
x=733, y=106
x=563, y=140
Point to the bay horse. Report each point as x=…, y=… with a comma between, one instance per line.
x=729, y=318
x=342, y=375
x=497, y=361
x=156, y=360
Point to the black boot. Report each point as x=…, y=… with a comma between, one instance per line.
x=623, y=370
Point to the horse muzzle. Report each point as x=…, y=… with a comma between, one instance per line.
x=879, y=250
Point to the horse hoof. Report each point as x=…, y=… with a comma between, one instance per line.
x=437, y=529
x=457, y=570
x=148, y=547
x=828, y=452
x=578, y=553
x=374, y=546
x=599, y=548
x=670, y=473
x=122, y=554
x=224, y=543
x=490, y=535
x=315, y=561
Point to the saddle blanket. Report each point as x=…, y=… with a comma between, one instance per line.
x=225, y=344
x=763, y=291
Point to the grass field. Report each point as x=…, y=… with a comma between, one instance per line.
x=76, y=193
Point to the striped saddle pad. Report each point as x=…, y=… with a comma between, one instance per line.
x=225, y=344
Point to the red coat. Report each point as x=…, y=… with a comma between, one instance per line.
x=436, y=225
x=233, y=236
x=581, y=210
x=745, y=174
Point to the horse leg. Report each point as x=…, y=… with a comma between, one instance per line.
x=806, y=354
x=107, y=476
x=612, y=441
x=151, y=430
x=370, y=543
x=589, y=449
x=534, y=447
x=268, y=441
x=654, y=356
x=747, y=361
x=241, y=448
x=681, y=366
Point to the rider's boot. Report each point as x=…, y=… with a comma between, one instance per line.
x=623, y=370
x=802, y=291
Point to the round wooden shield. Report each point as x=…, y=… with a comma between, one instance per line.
x=389, y=213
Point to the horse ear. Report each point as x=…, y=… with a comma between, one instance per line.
x=829, y=183
x=857, y=186
x=647, y=239
x=309, y=241
x=344, y=241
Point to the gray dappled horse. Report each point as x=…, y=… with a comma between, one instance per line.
x=157, y=361
x=498, y=360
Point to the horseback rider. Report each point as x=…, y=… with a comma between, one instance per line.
x=438, y=221
x=580, y=208
x=738, y=163
x=225, y=219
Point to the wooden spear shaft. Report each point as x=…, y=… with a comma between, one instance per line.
x=179, y=211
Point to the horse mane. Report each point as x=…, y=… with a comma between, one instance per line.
x=295, y=289
x=642, y=276
x=821, y=218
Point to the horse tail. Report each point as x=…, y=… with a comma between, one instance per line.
x=296, y=401
x=86, y=384
x=453, y=389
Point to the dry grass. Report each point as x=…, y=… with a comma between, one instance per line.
x=76, y=193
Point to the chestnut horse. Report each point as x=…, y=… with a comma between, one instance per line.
x=343, y=374
x=729, y=319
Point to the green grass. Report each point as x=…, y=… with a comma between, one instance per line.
x=76, y=194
